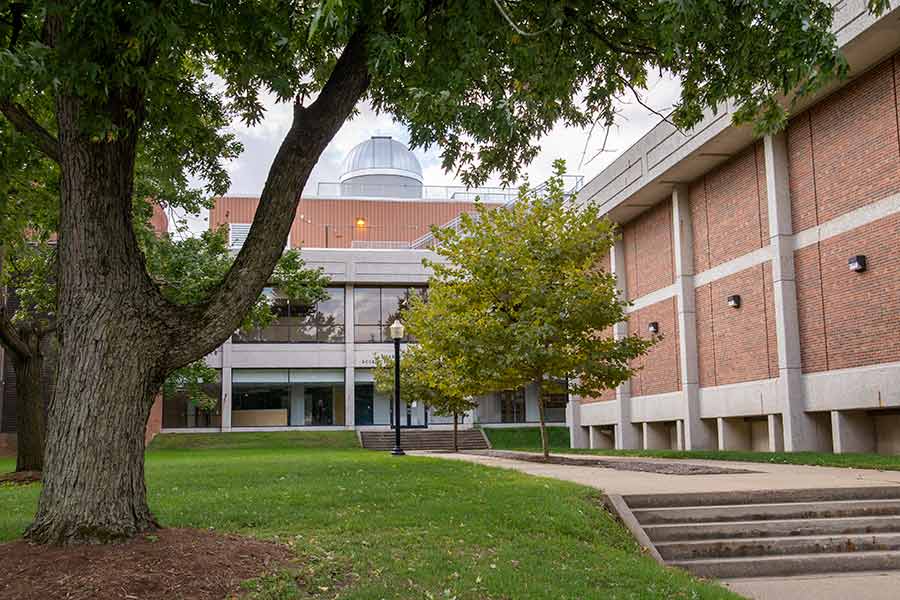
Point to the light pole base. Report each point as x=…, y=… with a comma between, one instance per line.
x=397, y=452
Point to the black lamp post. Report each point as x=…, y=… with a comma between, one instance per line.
x=397, y=331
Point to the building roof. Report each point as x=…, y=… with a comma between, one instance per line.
x=381, y=154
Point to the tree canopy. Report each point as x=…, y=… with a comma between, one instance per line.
x=128, y=84
x=523, y=296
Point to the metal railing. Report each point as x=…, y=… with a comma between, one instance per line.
x=571, y=185
x=437, y=193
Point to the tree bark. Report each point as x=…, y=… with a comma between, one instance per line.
x=455, y=432
x=545, y=441
x=31, y=397
x=119, y=337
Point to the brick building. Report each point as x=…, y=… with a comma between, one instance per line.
x=771, y=267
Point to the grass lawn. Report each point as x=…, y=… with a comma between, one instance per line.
x=529, y=439
x=367, y=525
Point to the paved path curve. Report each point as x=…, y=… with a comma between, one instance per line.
x=762, y=476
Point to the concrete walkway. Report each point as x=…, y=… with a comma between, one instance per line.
x=858, y=586
x=764, y=476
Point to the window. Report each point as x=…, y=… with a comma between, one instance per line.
x=555, y=399
x=179, y=412
x=296, y=323
x=374, y=309
x=287, y=397
x=237, y=235
x=512, y=406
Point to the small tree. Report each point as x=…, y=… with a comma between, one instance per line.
x=426, y=377
x=523, y=298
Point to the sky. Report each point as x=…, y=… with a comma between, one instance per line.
x=577, y=146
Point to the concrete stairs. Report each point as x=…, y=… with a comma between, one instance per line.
x=425, y=439
x=772, y=533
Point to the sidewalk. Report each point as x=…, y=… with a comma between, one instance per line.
x=762, y=476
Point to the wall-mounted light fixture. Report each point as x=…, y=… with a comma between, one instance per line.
x=734, y=301
x=653, y=327
x=857, y=263
x=360, y=222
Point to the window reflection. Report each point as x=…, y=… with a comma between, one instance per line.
x=374, y=309
x=297, y=323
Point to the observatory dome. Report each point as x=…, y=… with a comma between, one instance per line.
x=382, y=167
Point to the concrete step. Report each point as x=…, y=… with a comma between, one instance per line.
x=777, y=546
x=636, y=501
x=774, y=528
x=764, y=512
x=796, y=564
x=425, y=439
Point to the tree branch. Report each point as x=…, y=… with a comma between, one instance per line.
x=10, y=338
x=208, y=325
x=27, y=126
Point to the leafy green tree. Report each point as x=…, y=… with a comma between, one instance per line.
x=519, y=299
x=484, y=80
x=29, y=211
x=426, y=378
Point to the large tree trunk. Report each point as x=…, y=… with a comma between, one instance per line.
x=31, y=398
x=94, y=474
x=118, y=336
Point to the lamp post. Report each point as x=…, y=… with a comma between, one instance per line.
x=397, y=331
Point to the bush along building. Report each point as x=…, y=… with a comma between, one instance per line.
x=313, y=368
x=771, y=269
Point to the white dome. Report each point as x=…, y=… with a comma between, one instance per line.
x=381, y=155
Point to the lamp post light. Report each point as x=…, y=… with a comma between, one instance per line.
x=397, y=331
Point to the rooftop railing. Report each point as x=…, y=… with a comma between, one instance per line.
x=571, y=185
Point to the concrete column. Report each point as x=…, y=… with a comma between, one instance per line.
x=226, y=386
x=799, y=431
x=578, y=435
x=627, y=434
x=679, y=435
x=852, y=432
x=349, y=360
x=776, y=434
x=697, y=434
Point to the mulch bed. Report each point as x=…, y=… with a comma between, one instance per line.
x=663, y=467
x=20, y=477
x=171, y=563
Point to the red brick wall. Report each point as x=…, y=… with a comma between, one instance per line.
x=649, y=261
x=729, y=210
x=660, y=369
x=736, y=345
x=850, y=319
x=844, y=152
x=332, y=223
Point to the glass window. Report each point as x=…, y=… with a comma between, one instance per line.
x=374, y=309
x=555, y=399
x=287, y=398
x=180, y=412
x=512, y=406
x=297, y=323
